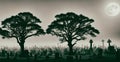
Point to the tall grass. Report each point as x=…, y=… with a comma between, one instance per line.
x=49, y=51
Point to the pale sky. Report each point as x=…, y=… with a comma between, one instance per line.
x=45, y=10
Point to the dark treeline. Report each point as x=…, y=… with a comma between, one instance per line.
x=69, y=27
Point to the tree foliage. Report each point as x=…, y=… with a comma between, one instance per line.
x=22, y=25
x=72, y=25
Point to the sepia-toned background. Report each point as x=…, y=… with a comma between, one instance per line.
x=45, y=10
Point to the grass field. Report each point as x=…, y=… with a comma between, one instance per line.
x=49, y=55
x=58, y=60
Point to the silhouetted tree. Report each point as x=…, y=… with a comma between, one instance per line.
x=91, y=41
x=21, y=27
x=109, y=41
x=71, y=28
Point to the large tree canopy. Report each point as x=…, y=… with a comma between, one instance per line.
x=72, y=27
x=21, y=27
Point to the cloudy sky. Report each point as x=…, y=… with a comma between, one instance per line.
x=45, y=10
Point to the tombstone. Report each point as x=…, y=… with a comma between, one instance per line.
x=35, y=57
x=47, y=57
x=100, y=52
x=26, y=53
x=8, y=55
x=11, y=53
x=111, y=50
x=77, y=57
x=15, y=56
x=70, y=58
x=31, y=55
x=118, y=54
x=3, y=53
x=80, y=57
x=57, y=55
x=91, y=42
x=94, y=54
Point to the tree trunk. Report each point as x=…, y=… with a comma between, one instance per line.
x=70, y=48
x=22, y=47
x=70, y=45
x=70, y=56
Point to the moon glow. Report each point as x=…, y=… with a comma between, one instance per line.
x=112, y=9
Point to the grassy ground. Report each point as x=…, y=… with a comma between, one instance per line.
x=31, y=59
x=63, y=52
x=58, y=60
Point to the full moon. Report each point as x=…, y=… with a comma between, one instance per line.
x=112, y=9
